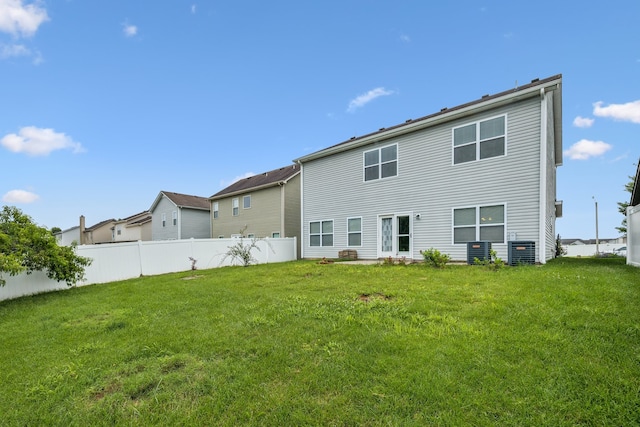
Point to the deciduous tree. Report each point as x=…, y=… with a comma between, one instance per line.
x=622, y=206
x=27, y=247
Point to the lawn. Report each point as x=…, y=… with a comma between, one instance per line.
x=304, y=343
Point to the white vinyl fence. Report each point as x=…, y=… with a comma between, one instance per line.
x=633, y=235
x=590, y=250
x=121, y=261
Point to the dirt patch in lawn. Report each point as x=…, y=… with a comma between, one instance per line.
x=375, y=296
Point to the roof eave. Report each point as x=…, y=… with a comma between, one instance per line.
x=247, y=190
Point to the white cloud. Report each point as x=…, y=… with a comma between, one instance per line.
x=38, y=142
x=16, y=50
x=193, y=8
x=405, y=38
x=629, y=112
x=11, y=50
x=20, y=19
x=226, y=183
x=583, y=122
x=365, y=98
x=584, y=149
x=20, y=196
x=129, y=30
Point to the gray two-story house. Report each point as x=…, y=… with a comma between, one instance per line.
x=481, y=171
x=177, y=216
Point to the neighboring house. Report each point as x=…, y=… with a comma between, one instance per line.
x=481, y=171
x=633, y=223
x=69, y=236
x=96, y=234
x=180, y=216
x=263, y=205
x=133, y=228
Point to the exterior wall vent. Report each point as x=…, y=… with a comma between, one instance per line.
x=480, y=250
x=522, y=252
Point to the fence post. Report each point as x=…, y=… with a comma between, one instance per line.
x=140, y=257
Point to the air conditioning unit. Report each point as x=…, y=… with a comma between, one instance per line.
x=522, y=252
x=480, y=250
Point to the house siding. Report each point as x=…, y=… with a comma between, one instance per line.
x=194, y=223
x=429, y=184
x=262, y=219
x=550, y=208
x=292, y=210
x=169, y=232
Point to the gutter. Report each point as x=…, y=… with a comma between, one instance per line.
x=248, y=190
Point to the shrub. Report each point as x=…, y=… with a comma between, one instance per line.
x=435, y=258
x=493, y=263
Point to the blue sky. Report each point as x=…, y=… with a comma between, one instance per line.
x=107, y=102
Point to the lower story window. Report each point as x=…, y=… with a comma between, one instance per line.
x=354, y=231
x=321, y=233
x=479, y=223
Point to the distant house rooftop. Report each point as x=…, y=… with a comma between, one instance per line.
x=184, y=200
x=262, y=180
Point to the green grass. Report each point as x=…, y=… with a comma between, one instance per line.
x=307, y=344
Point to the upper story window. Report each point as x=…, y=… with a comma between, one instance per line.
x=479, y=223
x=246, y=202
x=174, y=217
x=381, y=163
x=479, y=140
x=164, y=219
x=216, y=208
x=235, y=206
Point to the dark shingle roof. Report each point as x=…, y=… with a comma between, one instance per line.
x=187, y=201
x=265, y=179
x=100, y=224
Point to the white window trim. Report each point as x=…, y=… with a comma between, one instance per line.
x=235, y=204
x=274, y=233
x=478, y=141
x=353, y=232
x=477, y=224
x=164, y=220
x=174, y=218
x=248, y=196
x=379, y=150
x=216, y=210
x=322, y=234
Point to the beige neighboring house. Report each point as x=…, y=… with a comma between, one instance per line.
x=133, y=228
x=263, y=205
x=96, y=234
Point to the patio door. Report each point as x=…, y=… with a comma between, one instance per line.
x=395, y=236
